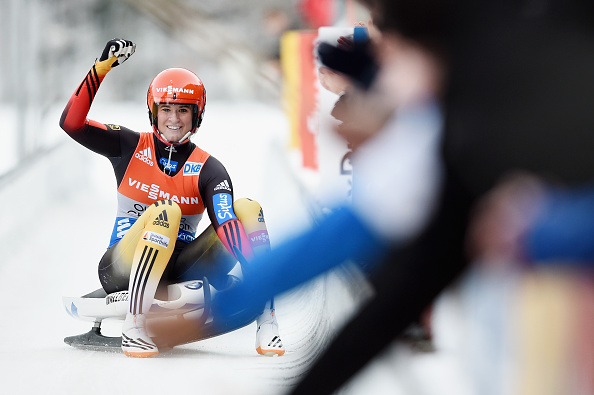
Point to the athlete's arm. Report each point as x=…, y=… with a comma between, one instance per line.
x=102, y=139
x=216, y=190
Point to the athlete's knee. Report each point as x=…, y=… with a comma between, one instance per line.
x=251, y=215
x=246, y=209
x=166, y=211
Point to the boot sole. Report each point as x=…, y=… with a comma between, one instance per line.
x=270, y=353
x=140, y=354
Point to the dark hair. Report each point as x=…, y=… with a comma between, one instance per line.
x=419, y=20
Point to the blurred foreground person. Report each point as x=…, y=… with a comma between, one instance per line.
x=165, y=183
x=362, y=115
x=393, y=120
x=517, y=101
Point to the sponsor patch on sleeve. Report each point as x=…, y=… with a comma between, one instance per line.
x=192, y=168
x=223, y=206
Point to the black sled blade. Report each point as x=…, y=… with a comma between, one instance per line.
x=94, y=340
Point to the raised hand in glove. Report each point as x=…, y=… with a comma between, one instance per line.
x=116, y=52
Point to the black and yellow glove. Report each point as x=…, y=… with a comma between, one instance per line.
x=116, y=52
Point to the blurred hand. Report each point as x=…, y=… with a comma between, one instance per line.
x=333, y=81
x=116, y=52
x=348, y=42
x=362, y=115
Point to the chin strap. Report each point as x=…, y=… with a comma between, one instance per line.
x=186, y=136
x=182, y=140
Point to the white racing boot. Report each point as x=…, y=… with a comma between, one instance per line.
x=135, y=341
x=268, y=341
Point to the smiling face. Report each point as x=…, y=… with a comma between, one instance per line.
x=174, y=121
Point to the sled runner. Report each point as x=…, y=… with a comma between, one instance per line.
x=184, y=318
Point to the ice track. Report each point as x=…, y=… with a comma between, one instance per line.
x=57, y=217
